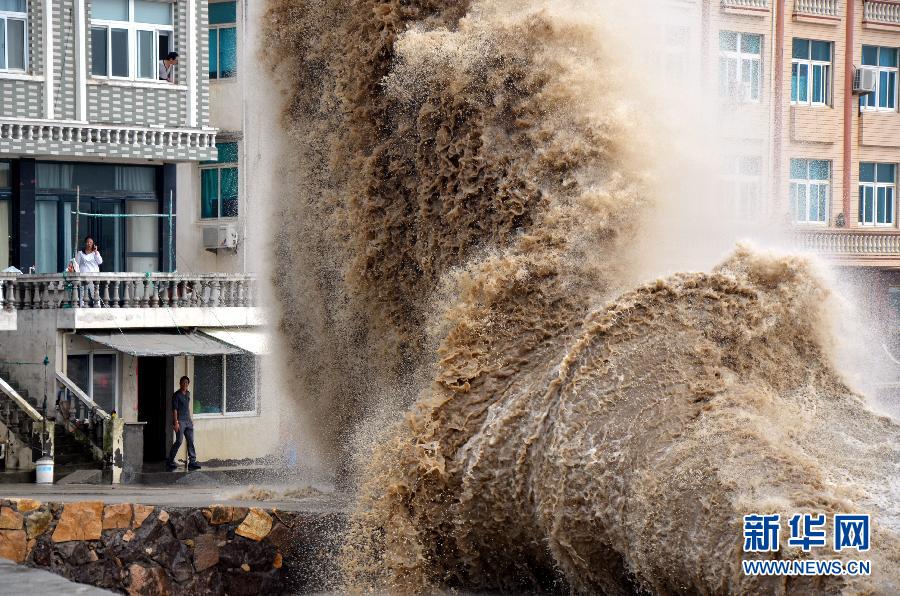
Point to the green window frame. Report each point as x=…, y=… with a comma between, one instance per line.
x=222, y=40
x=219, y=184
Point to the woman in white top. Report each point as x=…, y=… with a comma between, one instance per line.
x=89, y=259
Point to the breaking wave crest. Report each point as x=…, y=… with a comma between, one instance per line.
x=468, y=193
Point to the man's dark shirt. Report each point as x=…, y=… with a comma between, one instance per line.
x=181, y=403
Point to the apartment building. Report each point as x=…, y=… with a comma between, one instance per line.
x=94, y=143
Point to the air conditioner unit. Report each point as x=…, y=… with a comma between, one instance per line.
x=864, y=80
x=216, y=237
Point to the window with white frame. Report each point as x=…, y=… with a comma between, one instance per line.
x=741, y=179
x=876, y=194
x=740, y=66
x=811, y=73
x=884, y=61
x=810, y=190
x=676, y=54
x=13, y=35
x=95, y=373
x=129, y=38
x=219, y=183
x=225, y=384
x=222, y=40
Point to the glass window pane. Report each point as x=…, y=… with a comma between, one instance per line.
x=880, y=204
x=99, y=59
x=814, y=202
x=164, y=46
x=229, y=181
x=228, y=152
x=207, y=385
x=823, y=203
x=213, y=53
x=754, y=80
x=119, y=51
x=798, y=169
x=867, y=172
x=818, y=88
x=159, y=13
x=821, y=51
x=2, y=45
x=889, y=205
x=135, y=179
x=794, y=95
x=728, y=41
x=78, y=371
x=5, y=179
x=46, y=247
x=801, y=48
x=222, y=13
x=751, y=44
x=891, y=89
x=862, y=200
x=887, y=57
x=5, y=220
x=142, y=264
x=209, y=193
x=869, y=205
x=146, y=55
x=15, y=44
x=885, y=172
x=12, y=5
x=105, y=381
x=227, y=52
x=240, y=383
x=801, y=202
x=803, y=83
x=819, y=169
x=143, y=232
x=110, y=10
x=870, y=56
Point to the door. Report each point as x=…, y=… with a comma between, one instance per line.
x=152, y=406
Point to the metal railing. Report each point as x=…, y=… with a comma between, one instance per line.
x=816, y=8
x=882, y=11
x=127, y=290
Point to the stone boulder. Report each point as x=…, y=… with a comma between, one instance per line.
x=80, y=521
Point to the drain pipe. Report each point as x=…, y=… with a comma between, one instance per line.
x=778, y=67
x=848, y=106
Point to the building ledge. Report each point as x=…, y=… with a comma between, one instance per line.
x=158, y=318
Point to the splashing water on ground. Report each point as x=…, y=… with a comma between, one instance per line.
x=471, y=184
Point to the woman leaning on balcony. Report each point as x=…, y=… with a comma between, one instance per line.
x=89, y=259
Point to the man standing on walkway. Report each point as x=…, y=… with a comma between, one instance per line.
x=184, y=426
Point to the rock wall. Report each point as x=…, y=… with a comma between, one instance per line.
x=141, y=549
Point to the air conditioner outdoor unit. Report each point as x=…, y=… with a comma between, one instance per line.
x=216, y=237
x=864, y=80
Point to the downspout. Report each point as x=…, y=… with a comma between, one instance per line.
x=778, y=66
x=848, y=106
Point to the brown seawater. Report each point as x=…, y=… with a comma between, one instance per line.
x=468, y=179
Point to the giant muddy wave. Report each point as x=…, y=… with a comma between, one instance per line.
x=470, y=182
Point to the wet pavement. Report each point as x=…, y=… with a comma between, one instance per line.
x=16, y=580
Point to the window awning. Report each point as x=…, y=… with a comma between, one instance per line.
x=163, y=344
x=255, y=340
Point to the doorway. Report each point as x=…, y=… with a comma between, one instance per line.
x=151, y=380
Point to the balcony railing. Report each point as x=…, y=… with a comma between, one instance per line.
x=885, y=12
x=63, y=132
x=852, y=244
x=746, y=4
x=128, y=290
x=816, y=8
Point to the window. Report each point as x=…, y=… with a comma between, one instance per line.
x=129, y=37
x=225, y=384
x=811, y=73
x=884, y=60
x=876, y=194
x=5, y=213
x=222, y=40
x=13, y=25
x=219, y=184
x=740, y=66
x=741, y=188
x=810, y=188
x=95, y=374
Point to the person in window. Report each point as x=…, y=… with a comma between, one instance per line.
x=167, y=67
x=183, y=425
x=89, y=260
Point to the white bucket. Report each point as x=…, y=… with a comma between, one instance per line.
x=45, y=470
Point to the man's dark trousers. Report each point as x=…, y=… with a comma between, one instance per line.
x=188, y=433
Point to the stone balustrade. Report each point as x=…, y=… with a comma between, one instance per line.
x=885, y=12
x=816, y=8
x=62, y=132
x=127, y=290
x=851, y=243
x=746, y=4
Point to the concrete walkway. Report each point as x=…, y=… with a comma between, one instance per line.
x=16, y=580
x=316, y=499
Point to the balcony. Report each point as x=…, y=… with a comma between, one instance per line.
x=80, y=139
x=751, y=7
x=881, y=14
x=134, y=300
x=816, y=10
x=873, y=246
